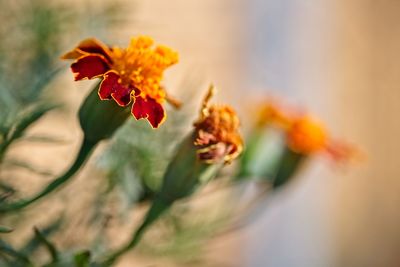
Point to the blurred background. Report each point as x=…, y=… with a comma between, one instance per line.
x=337, y=59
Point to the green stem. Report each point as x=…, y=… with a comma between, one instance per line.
x=84, y=153
x=158, y=207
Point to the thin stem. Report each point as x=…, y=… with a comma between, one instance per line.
x=158, y=207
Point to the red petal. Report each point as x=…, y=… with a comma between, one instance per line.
x=111, y=88
x=122, y=95
x=107, y=86
x=88, y=67
x=89, y=46
x=149, y=109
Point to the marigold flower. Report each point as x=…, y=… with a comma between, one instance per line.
x=131, y=74
x=217, y=136
x=306, y=136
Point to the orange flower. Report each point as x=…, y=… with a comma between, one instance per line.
x=306, y=136
x=131, y=74
x=217, y=136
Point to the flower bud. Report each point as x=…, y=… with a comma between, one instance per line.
x=290, y=162
x=100, y=119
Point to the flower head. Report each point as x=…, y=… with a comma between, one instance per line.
x=306, y=136
x=129, y=75
x=217, y=136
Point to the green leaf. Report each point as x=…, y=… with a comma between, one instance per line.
x=47, y=244
x=29, y=117
x=5, y=229
x=32, y=245
x=82, y=259
x=23, y=122
x=83, y=154
x=20, y=257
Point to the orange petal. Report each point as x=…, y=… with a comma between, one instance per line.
x=173, y=101
x=306, y=136
x=89, y=46
x=149, y=109
x=210, y=93
x=343, y=152
x=74, y=54
x=88, y=67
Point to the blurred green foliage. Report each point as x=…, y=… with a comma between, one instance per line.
x=33, y=35
x=137, y=157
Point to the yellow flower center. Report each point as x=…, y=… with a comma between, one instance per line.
x=142, y=66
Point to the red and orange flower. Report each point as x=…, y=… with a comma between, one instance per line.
x=217, y=133
x=307, y=136
x=304, y=134
x=129, y=75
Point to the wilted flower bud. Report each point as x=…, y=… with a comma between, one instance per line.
x=214, y=142
x=216, y=133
